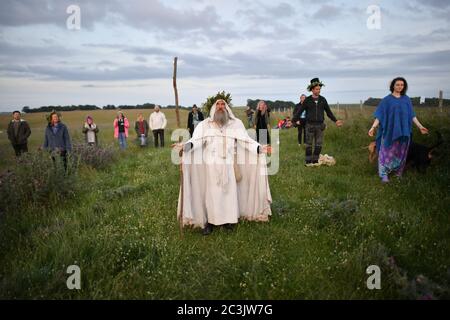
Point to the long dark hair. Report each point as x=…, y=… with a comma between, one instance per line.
x=393, y=84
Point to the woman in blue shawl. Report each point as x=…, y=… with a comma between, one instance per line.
x=395, y=116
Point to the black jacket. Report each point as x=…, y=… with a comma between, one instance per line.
x=190, y=124
x=22, y=135
x=315, y=113
x=297, y=114
x=262, y=121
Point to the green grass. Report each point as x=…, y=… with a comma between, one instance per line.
x=328, y=225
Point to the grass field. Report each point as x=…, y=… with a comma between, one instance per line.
x=328, y=225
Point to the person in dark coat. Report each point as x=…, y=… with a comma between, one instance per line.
x=315, y=106
x=57, y=139
x=262, y=121
x=194, y=118
x=18, y=133
x=299, y=120
x=141, y=127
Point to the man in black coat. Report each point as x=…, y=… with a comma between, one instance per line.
x=315, y=106
x=18, y=133
x=194, y=118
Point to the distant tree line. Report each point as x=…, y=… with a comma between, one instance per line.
x=27, y=109
x=273, y=105
x=59, y=108
x=429, y=102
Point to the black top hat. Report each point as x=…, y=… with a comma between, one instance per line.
x=314, y=83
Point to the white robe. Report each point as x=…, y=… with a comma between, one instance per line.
x=210, y=191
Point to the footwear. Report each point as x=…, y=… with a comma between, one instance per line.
x=385, y=179
x=207, y=230
x=229, y=226
x=309, y=164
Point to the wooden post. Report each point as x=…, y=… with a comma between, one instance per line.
x=177, y=111
x=361, y=105
x=441, y=97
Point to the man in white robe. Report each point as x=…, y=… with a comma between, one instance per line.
x=224, y=174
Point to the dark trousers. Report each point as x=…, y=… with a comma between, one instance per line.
x=63, y=155
x=262, y=136
x=20, y=148
x=158, y=135
x=301, y=131
x=314, y=137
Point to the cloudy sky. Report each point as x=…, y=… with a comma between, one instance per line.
x=123, y=52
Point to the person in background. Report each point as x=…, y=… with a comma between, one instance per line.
x=288, y=124
x=249, y=113
x=262, y=123
x=194, y=118
x=57, y=138
x=281, y=124
x=90, y=131
x=141, y=127
x=315, y=106
x=157, y=124
x=300, y=121
x=121, y=125
x=395, y=116
x=18, y=133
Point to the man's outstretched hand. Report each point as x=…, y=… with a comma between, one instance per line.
x=178, y=147
x=266, y=149
x=339, y=123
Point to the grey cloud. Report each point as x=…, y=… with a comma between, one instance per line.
x=440, y=35
x=282, y=10
x=140, y=59
x=106, y=63
x=14, y=51
x=438, y=4
x=268, y=22
x=147, y=15
x=290, y=66
x=96, y=86
x=147, y=51
x=136, y=72
x=327, y=12
x=30, y=12
x=438, y=9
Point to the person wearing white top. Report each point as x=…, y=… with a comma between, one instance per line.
x=158, y=123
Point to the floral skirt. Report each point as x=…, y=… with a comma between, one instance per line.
x=393, y=158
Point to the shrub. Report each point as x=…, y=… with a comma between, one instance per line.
x=97, y=157
x=38, y=178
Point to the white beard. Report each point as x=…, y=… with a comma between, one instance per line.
x=221, y=117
